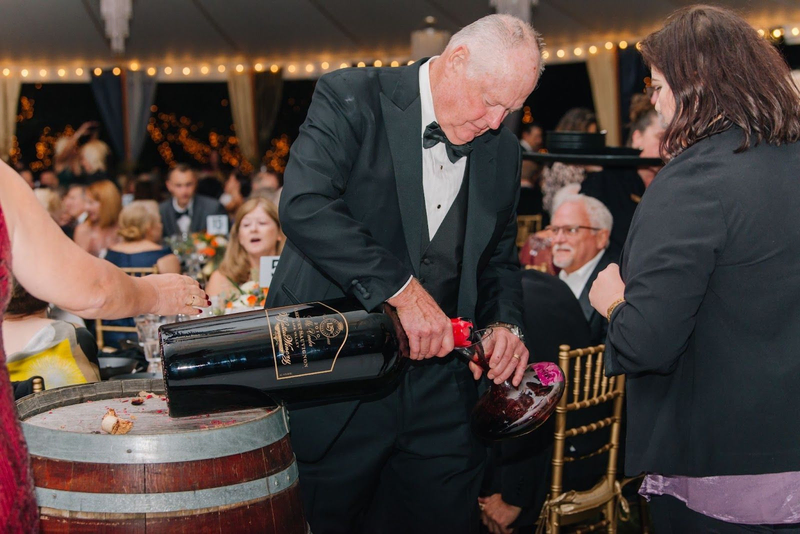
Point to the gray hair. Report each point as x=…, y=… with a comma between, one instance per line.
x=492, y=36
x=599, y=216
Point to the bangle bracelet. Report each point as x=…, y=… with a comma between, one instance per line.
x=614, y=307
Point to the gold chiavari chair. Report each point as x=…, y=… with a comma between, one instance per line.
x=100, y=327
x=527, y=225
x=586, y=386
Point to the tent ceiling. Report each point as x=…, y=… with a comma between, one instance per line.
x=49, y=32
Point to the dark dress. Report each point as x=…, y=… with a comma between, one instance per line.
x=124, y=260
x=18, y=511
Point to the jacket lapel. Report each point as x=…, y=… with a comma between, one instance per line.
x=481, y=211
x=402, y=113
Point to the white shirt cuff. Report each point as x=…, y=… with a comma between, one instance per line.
x=402, y=288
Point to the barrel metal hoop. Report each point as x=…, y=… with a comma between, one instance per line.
x=155, y=448
x=144, y=503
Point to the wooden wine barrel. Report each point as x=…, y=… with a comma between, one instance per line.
x=233, y=472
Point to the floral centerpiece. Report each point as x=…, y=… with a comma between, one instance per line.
x=247, y=297
x=200, y=252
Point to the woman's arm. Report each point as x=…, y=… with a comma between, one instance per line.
x=54, y=269
x=677, y=235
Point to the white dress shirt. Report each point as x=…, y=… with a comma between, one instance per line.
x=577, y=280
x=184, y=222
x=441, y=179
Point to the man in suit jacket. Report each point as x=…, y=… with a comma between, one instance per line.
x=518, y=475
x=186, y=212
x=581, y=227
x=374, y=208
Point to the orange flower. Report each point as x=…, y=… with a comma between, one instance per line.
x=265, y=290
x=229, y=304
x=214, y=243
x=251, y=300
x=208, y=251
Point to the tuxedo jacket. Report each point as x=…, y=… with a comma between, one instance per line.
x=202, y=208
x=519, y=469
x=597, y=322
x=353, y=211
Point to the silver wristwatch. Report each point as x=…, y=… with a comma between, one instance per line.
x=514, y=329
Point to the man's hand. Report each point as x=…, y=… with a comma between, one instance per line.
x=507, y=356
x=429, y=330
x=498, y=515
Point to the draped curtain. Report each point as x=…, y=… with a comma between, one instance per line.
x=240, y=91
x=9, y=101
x=605, y=92
x=632, y=72
x=107, y=90
x=140, y=94
x=268, y=89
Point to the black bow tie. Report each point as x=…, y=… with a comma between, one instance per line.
x=434, y=134
x=179, y=213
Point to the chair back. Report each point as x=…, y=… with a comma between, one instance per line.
x=526, y=225
x=101, y=327
x=586, y=386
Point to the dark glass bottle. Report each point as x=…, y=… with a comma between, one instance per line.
x=315, y=351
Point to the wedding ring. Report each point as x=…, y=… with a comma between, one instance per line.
x=191, y=302
x=516, y=356
x=481, y=505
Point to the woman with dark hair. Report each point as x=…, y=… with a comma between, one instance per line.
x=704, y=318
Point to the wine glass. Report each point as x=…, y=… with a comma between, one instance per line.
x=147, y=327
x=506, y=411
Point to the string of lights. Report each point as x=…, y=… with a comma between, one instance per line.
x=299, y=69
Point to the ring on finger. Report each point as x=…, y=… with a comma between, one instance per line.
x=515, y=356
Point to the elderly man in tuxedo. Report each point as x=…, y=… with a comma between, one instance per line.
x=185, y=211
x=581, y=226
x=402, y=188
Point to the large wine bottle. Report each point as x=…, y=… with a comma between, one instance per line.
x=317, y=351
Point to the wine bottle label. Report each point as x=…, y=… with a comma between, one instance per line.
x=303, y=340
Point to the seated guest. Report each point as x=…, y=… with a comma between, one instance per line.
x=140, y=229
x=530, y=193
x=580, y=228
x=237, y=188
x=74, y=205
x=518, y=473
x=99, y=231
x=185, y=211
x=51, y=201
x=621, y=188
x=38, y=346
x=256, y=232
x=48, y=179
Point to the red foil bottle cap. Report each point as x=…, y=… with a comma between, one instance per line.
x=462, y=332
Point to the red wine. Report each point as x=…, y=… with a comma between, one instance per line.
x=317, y=351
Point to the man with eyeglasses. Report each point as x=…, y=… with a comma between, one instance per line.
x=580, y=229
